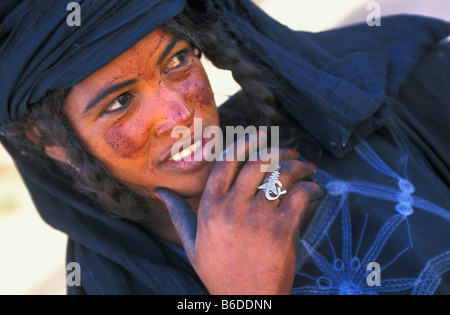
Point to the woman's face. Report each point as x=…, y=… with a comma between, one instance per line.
x=125, y=113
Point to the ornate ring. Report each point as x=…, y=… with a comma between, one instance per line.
x=273, y=187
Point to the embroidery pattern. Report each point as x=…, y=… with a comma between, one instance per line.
x=346, y=273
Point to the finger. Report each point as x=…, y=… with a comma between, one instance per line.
x=294, y=171
x=183, y=218
x=288, y=173
x=300, y=195
x=225, y=171
x=251, y=176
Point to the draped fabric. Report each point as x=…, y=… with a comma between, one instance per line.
x=340, y=85
x=41, y=52
x=388, y=201
x=337, y=83
x=344, y=78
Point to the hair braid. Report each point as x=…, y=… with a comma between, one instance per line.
x=225, y=54
x=47, y=123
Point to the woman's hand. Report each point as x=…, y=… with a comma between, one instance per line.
x=240, y=242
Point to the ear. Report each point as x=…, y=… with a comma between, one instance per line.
x=33, y=134
x=52, y=149
x=56, y=152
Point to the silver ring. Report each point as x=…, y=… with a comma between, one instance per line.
x=273, y=188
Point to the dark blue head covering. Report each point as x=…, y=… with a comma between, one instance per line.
x=337, y=84
x=39, y=50
x=343, y=79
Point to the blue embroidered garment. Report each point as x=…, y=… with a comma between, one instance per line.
x=378, y=217
x=388, y=201
x=388, y=197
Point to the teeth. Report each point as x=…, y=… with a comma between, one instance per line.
x=186, y=152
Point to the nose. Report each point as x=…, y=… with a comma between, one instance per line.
x=175, y=113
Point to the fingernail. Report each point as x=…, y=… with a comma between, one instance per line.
x=313, y=166
x=158, y=197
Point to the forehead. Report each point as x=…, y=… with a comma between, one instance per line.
x=136, y=61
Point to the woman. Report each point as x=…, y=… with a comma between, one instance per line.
x=94, y=107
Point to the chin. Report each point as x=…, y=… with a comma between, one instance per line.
x=191, y=190
x=194, y=187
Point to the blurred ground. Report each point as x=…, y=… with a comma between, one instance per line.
x=32, y=254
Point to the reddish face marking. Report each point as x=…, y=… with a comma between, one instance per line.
x=122, y=144
x=198, y=92
x=132, y=138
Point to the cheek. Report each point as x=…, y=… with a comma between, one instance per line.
x=126, y=143
x=197, y=91
x=204, y=97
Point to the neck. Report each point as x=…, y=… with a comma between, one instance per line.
x=194, y=203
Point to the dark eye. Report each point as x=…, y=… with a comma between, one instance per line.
x=121, y=102
x=178, y=60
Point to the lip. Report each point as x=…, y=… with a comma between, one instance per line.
x=184, y=166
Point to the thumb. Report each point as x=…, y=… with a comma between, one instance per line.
x=182, y=216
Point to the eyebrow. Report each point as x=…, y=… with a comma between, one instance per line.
x=166, y=51
x=107, y=92
x=121, y=85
